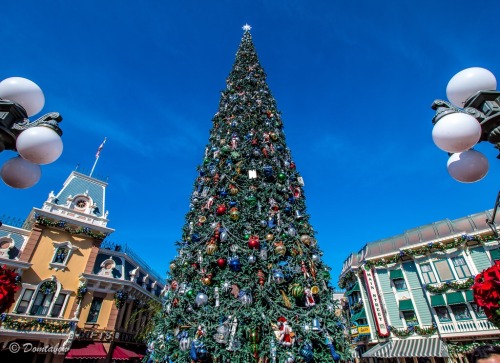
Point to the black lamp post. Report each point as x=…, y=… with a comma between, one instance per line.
x=38, y=142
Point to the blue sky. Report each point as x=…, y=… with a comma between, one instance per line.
x=354, y=82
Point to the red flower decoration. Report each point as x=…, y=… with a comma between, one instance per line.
x=9, y=284
x=486, y=290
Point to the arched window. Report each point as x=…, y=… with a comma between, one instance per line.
x=43, y=298
x=62, y=254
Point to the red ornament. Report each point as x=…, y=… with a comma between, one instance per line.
x=221, y=209
x=221, y=262
x=253, y=242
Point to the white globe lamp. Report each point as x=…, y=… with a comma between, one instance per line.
x=467, y=83
x=468, y=167
x=20, y=173
x=456, y=132
x=24, y=92
x=40, y=145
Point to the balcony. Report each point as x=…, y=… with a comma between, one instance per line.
x=474, y=327
x=23, y=325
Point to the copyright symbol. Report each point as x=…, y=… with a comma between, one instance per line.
x=14, y=347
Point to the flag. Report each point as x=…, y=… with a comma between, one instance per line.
x=100, y=148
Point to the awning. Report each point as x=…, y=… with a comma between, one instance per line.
x=437, y=300
x=495, y=254
x=360, y=315
x=396, y=274
x=406, y=305
x=469, y=296
x=120, y=353
x=420, y=347
x=354, y=288
x=87, y=350
x=454, y=298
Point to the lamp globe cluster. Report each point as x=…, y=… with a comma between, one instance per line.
x=37, y=143
x=457, y=128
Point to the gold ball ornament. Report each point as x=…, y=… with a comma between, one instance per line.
x=269, y=237
x=211, y=248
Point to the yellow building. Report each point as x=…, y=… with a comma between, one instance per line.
x=81, y=296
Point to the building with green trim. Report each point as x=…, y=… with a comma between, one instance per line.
x=410, y=297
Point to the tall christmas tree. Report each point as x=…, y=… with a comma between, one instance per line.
x=248, y=283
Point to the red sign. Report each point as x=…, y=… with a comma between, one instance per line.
x=376, y=304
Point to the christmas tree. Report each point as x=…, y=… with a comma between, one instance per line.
x=248, y=283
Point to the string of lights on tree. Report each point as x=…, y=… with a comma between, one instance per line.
x=248, y=283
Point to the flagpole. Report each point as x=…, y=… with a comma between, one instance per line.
x=97, y=156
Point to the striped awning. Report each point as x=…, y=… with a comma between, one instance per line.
x=419, y=347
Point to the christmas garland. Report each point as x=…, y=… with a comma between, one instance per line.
x=486, y=290
x=63, y=225
x=120, y=298
x=454, y=285
x=425, y=331
x=401, y=333
x=80, y=293
x=344, y=280
x=429, y=248
x=455, y=349
x=49, y=326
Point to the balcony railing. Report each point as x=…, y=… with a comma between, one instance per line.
x=35, y=324
x=466, y=326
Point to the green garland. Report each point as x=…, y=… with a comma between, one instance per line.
x=80, y=293
x=62, y=225
x=120, y=298
x=401, y=333
x=429, y=248
x=48, y=287
x=455, y=349
x=40, y=324
x=346, y=279
x=425, y=331
x=454, y=285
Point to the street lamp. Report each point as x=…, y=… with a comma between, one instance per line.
x=472, y=115
x=38, y=142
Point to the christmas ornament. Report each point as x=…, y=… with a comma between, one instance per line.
x=263, y=223
x=309, y=298
x=201, y=299
x=252, y=259
x=296, y=290
x=284, y=332
x=211, y=248
x=221, y=210
x=306, y=352
x=184, y=340
x=207, y=280
x=269, y=237
x=316, y=325
x=280, y=248
x=278, y=277
x=221, y=262
x=245, y=297
x=305, y=239
x=261, y=277
x=234, y=214
x=222, y=334
x=253, y=242
x=315, y=258
x=281, y=176
x=198, y=352
x=251, y=200
x=333, y=352
x=234, y=264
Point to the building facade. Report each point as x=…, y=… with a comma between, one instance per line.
x=410, y=297
x=81, y=297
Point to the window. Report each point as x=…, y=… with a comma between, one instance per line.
x=42, y=303
x=460, y=311
x=442, y=313
x=410, y=317
x=427, y=273
x=478, y=310
x=399, y=284
x=95, y=308
x=22, y=307
x=461, y=267
x=60, y=255
x=56, y=309
x=443, y=270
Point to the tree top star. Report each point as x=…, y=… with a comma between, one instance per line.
x=246, y=27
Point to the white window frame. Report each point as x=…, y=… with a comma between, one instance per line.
x=23, y=290
x=63, y=265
